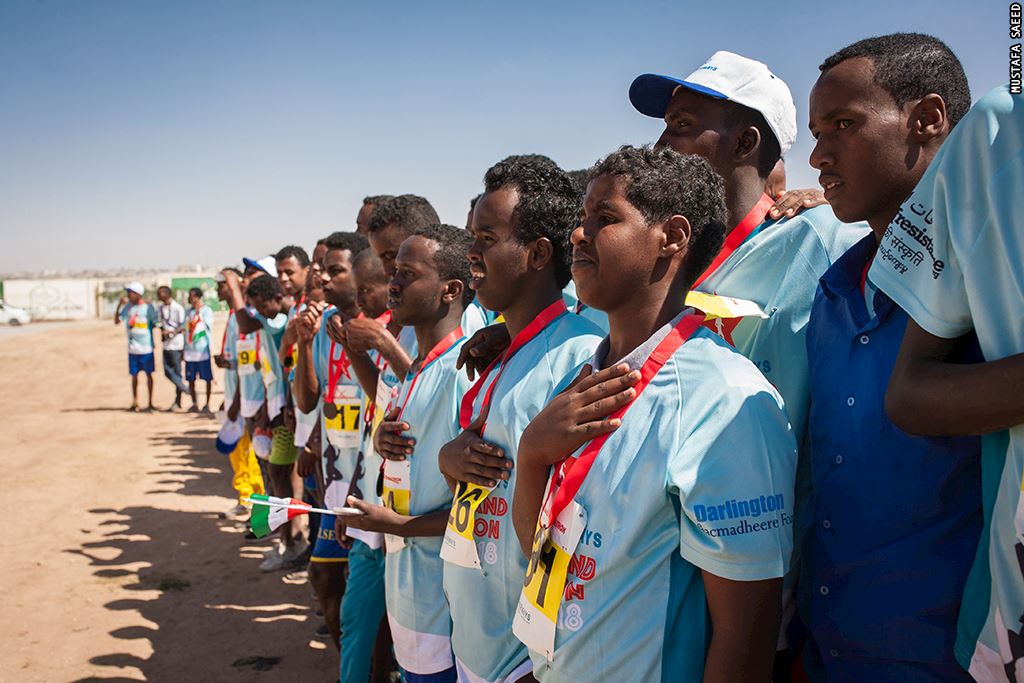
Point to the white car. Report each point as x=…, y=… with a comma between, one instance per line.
x=13, y=316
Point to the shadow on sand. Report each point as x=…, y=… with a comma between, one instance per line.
x=210, y=614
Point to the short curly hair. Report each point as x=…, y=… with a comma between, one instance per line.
x=292, y=251
x=548, y=206
x=662, y=183
x=407, y=212
x=265, y=288
x=352, y=241
x=450, y=258
x=909, y=66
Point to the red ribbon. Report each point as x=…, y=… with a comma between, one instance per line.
x=573, y=470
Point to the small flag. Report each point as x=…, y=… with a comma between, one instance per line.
x=269, y=513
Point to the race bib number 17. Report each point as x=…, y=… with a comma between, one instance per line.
x=553, y=547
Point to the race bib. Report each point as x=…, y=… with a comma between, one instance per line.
x=553, y=547
x=458, y=546
x=395, y=495
x=245, y=349
x=341, y=417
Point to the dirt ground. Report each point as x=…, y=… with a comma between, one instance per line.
x=118, y=565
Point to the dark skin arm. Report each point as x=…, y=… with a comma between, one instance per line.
x=469, y=458
x=306, y=387
x=574, y=417
x=482, y=348
x=289, y=338
x=363, y=334
x=236, y=300
x=386, y=521
x=744, y=628
x=930, y=396
x=117, y=311
x=366, y=371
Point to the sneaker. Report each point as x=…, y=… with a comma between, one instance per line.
x=294, y=551
x=273, y=559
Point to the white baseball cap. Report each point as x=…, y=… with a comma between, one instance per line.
x=267, y=264
x=136, y=287
x=725, y=76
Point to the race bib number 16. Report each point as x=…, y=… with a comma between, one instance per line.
x=553, y=547
x=458, y=546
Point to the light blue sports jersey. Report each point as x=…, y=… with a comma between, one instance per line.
x=421, y=623
x=254, y=390
x=778, y=268
x=476, y=317
x=599, y=318
x=270, y=342
x=407, y=340
x=139, y=321
x=198, y=330
x=483, y=601
x=699, y=477
x=953, y=259
x=338, y=462
x=231, y=372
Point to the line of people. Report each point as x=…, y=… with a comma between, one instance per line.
x=663, y=425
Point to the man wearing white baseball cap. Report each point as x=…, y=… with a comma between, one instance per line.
x=740, y=116
x=139, y=319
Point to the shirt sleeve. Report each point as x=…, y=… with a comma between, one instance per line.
x=917, y=265
x=733, y=472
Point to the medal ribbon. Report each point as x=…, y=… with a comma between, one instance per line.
x=442, y=347
x=536, y=326
x=573, y=470
x=738, y=235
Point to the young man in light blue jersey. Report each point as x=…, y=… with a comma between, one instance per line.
x=655, y=493
x=879, y=112
x=519, y=260
x=394, y=220
x=246, y=477
x=429, y=292
x=324, y=373
x=365, y=635
x=952, y=259
x=737, y=114
x=261, y=327
x=198, y=330
x=139, y=320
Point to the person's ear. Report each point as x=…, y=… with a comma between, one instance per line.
x=928, y=119
x=453, y=290
x=541, y=251
x=748, y=142
x=675, y=236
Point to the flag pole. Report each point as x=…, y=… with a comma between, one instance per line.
x=304, y=508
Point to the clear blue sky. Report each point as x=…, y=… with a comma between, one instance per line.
x=148, y=133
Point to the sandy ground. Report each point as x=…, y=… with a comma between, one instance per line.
x=135, y=576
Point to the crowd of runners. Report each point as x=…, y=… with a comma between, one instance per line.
x=658, y=420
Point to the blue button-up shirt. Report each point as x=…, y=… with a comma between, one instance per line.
x=893, y=519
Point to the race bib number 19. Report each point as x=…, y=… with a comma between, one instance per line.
x=458, y=546
x=396, y=491
x=553, y=547
x=245, y=349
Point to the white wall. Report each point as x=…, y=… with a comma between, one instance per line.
x=57, y=299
